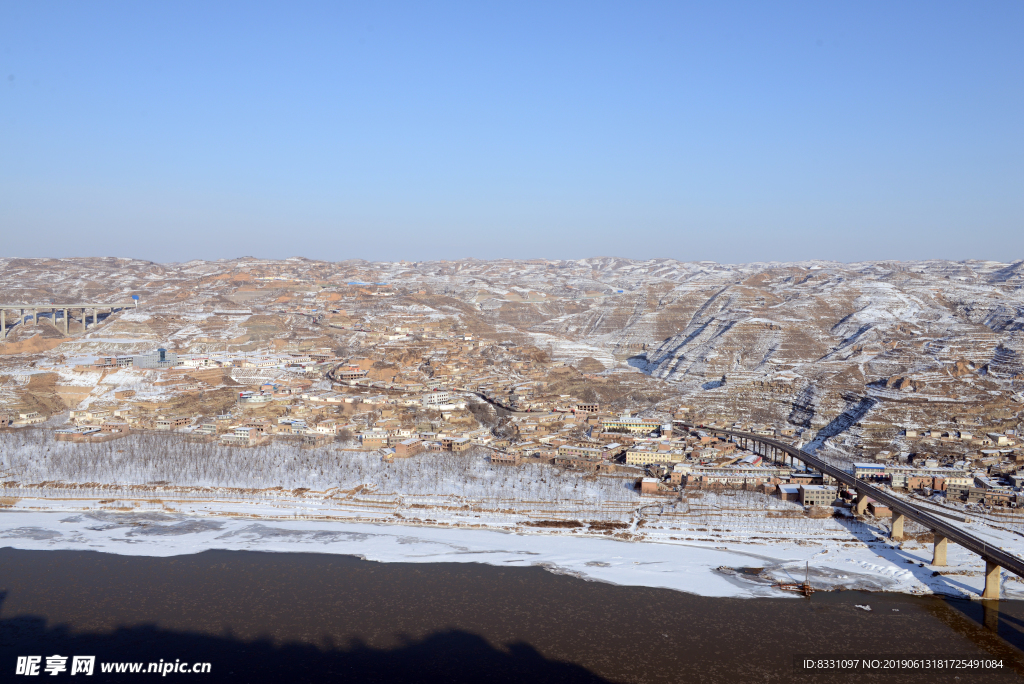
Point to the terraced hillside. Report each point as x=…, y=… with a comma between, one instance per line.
x=853, y=349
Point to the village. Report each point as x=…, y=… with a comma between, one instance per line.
x=516, y=397
x=512, y=342
x=419, y=389
x=398, y=361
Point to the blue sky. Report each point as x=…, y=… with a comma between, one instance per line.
x=726, y=131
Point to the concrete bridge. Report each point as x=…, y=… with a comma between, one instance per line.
x=30, y=312
x=995, y=558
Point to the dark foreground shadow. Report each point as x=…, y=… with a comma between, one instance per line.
x=452, y=656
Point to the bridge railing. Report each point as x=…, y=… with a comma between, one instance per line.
x=979, y=546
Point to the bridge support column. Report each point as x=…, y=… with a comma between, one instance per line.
x=939, y=553
x=992, y=572
x=83, y=319
x=35, y=316
x=65, y=321
x=897, y=526
x=861, y=505
x=3, y=323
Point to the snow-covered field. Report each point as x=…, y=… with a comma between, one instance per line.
x=570, y=351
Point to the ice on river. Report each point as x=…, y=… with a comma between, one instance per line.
x=691, y=567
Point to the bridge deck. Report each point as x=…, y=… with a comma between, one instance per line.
x=967, y=540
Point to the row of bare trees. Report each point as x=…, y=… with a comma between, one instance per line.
x=34, y=456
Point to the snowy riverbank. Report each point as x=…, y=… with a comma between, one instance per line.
x=689, y=566
x=155, y=495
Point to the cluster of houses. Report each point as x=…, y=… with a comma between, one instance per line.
x=991, y=476
x=21, y=419
x=414, y=390
x=312, y=363
x=696, y=459
x=960, y=482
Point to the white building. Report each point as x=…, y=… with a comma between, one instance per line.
x=436, y=398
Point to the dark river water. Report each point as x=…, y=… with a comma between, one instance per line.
x=299, y=617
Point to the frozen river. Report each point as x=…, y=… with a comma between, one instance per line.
x=297, y=601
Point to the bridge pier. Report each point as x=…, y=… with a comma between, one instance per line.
x=897, y=526
x=992, y=573
x=939, y=552
x=995, y=559
x=28, y=314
